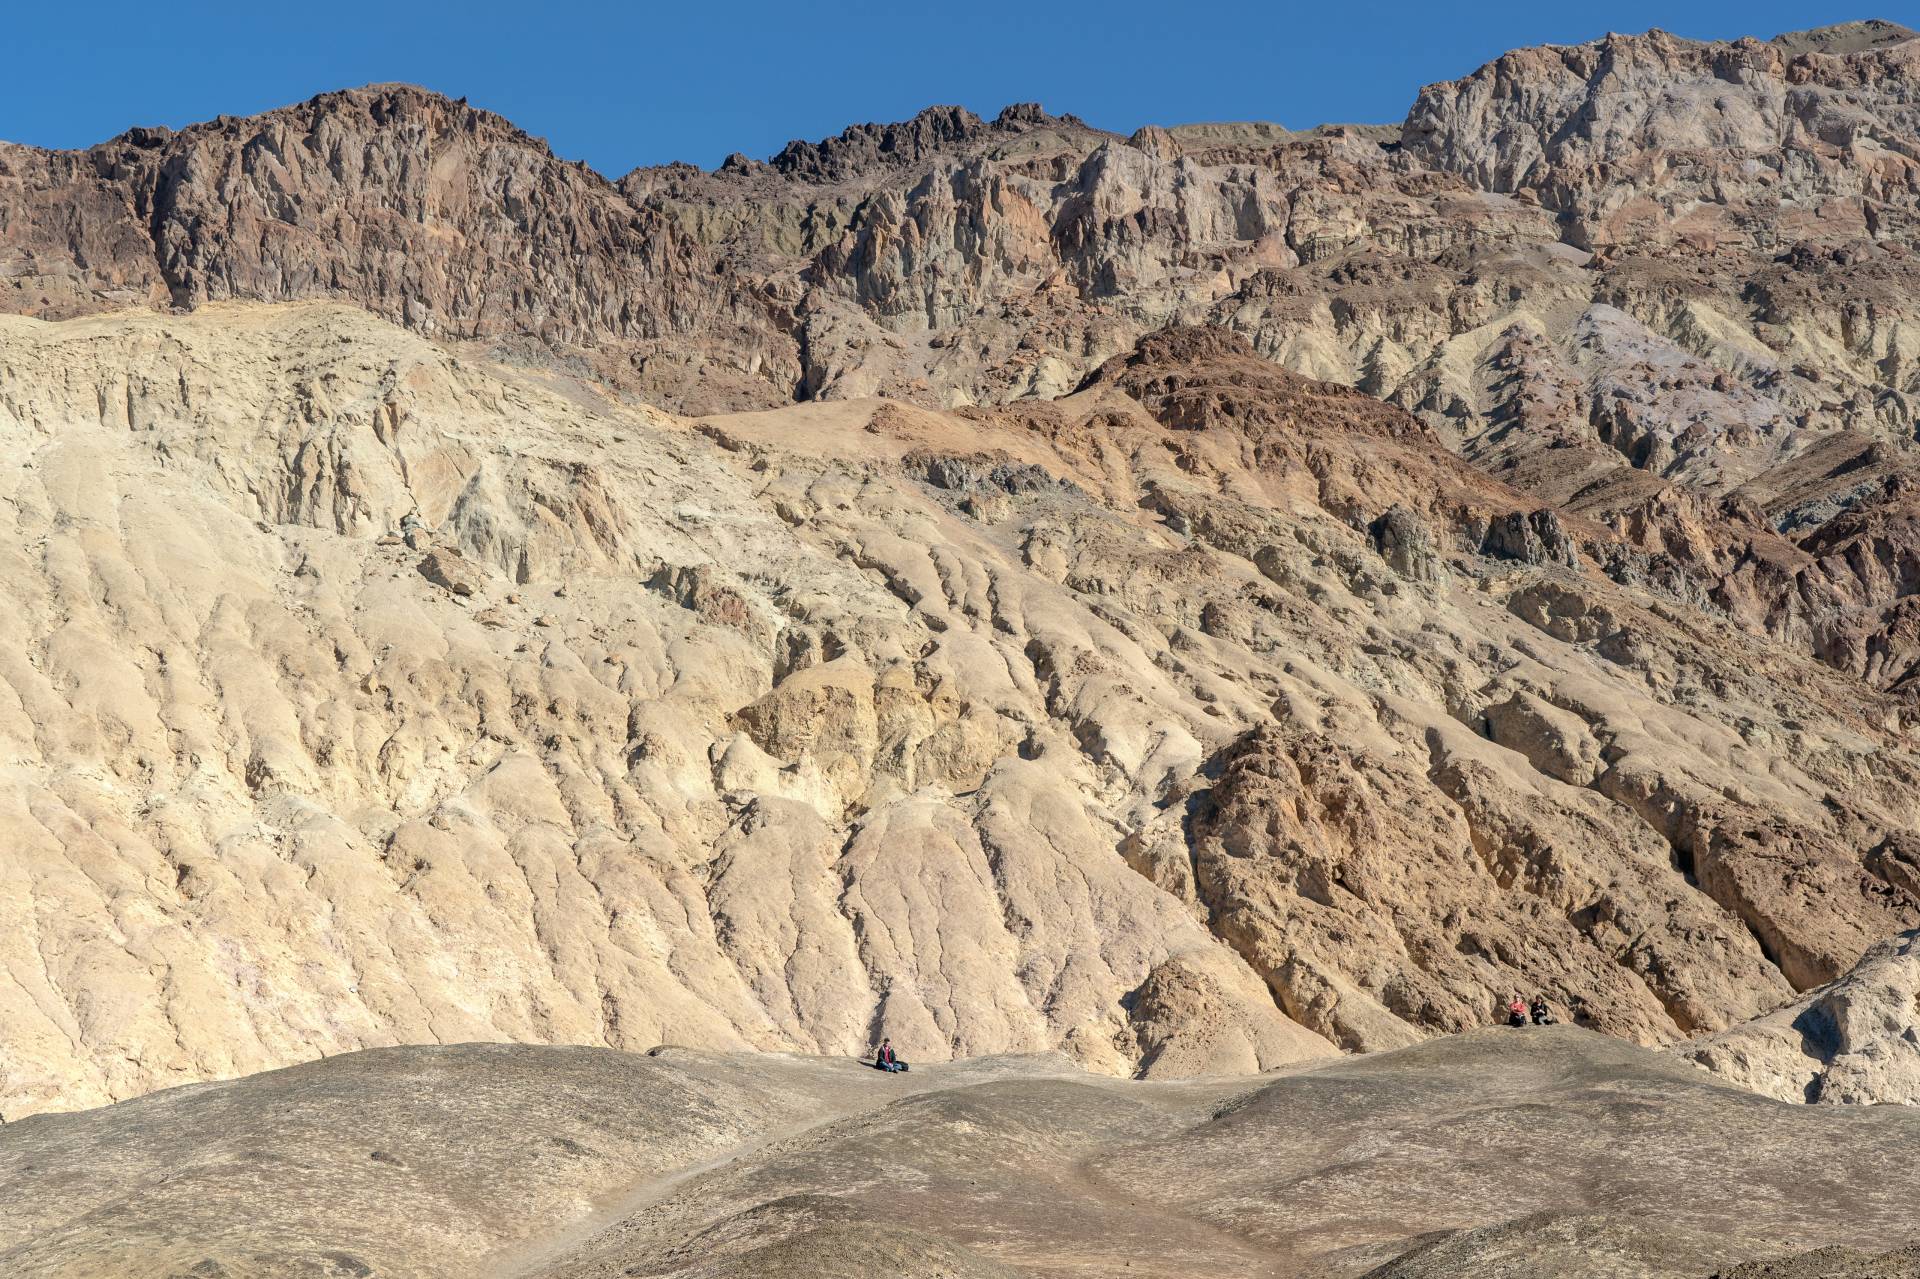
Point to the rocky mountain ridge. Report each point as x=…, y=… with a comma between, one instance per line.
x=1645, y=276
x=1198, y=601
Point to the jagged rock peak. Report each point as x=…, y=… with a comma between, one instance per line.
x=366, y=108
x=1028, y=115
x=864, y=147
x=861, y=146
x=1545, y=117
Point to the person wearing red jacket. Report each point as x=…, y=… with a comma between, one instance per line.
x=886, y=1060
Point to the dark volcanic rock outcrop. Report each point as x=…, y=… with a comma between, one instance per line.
x=424, y=211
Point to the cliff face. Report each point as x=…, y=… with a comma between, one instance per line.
x=423, y=211
x=1302, y=587
x=1641, y=275
x=1654, y=134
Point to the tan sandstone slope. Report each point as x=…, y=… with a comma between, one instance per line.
x=1206, y=720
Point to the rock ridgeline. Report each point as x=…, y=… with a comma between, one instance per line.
x=424, y=211
x=1660, y=280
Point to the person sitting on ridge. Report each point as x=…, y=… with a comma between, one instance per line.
x=1516, y=1012
x=1542, y=1016
x=886, y=1060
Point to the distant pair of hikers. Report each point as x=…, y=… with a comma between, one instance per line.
x=1518, y=1014
x=886, y=1060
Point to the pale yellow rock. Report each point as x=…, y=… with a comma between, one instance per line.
x=1164, y=767
x=1852, y=1042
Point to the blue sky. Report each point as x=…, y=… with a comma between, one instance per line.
x=620, y=85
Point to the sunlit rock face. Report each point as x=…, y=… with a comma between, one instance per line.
x=1198, y=602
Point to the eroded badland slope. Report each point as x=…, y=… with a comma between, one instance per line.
x=1198, y=601
x=1207, y=719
